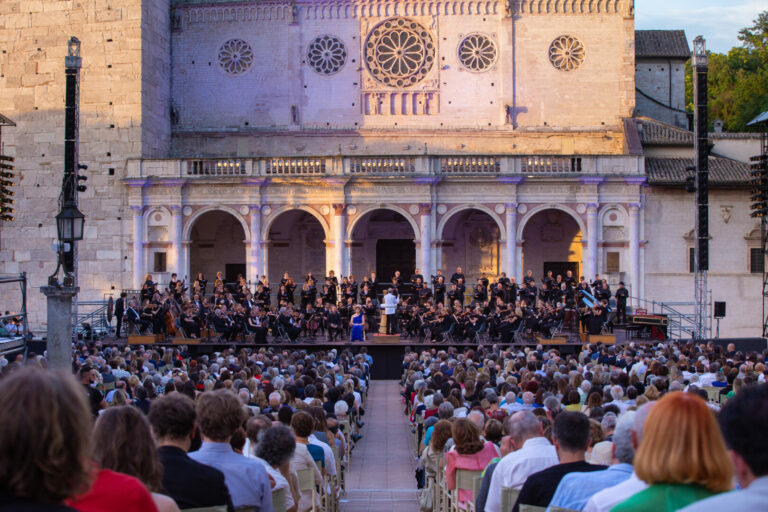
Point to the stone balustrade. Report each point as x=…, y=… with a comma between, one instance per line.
x=378, y=166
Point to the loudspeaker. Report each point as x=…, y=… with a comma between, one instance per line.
x=719, y=309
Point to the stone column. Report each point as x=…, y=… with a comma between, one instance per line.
x=337, y=228
x=634, y=249
x=187, y=271
x=138, y=247
x=426, y=241
x=59, y=336
x=177, y=255
x=254, y=249
x=511, y=234
x=590, y=266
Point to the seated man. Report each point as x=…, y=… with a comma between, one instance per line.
x=575, y=489
x=742, y=421
x=571, y=436
x=190, y=484
x=220, y=414
x=532, y=453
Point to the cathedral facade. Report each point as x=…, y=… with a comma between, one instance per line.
x=259, y=137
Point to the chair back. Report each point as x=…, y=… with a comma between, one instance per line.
x=218, y=508
x=465, y=479
x=306, y=479
x=532, y=508
x=508, y=497
x=278, y=500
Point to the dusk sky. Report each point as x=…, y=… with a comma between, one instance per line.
x=719, y=21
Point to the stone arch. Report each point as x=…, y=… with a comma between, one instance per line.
x=603, y=222
x=267, y=225
x=190, y=223
x=530, y=214
x=457, y=209
x=369, y=208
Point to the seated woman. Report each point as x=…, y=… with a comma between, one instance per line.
x=44, y=444
x=470, y=453
x=682, y=458
x=275, y=451
x=123, y=443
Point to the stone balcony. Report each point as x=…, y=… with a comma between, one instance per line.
x=531, y=166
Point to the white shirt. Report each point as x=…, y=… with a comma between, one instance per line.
x=706, y=379
x=389, y=304
x=330, y=462
x=280, y=482
x=623, y=406
x=606, y=499
x=537, y=454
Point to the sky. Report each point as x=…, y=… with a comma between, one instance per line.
x=719, y=21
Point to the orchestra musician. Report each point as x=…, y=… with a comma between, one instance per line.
x=459, y=274
x=389, y=305
x=334, y=323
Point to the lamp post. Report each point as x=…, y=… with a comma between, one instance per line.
x=69, y=225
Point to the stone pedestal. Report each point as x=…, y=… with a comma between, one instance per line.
x=59, y=338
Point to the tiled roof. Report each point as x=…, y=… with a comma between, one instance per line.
x=661, y=43
x=654, y=132
x=671, y=171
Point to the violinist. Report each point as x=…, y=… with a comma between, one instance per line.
x=148, y=289
x=309, y=322
x=190, y=323
x=223, y=324
x=480, y=294
x=255, y=325
x=288, y=323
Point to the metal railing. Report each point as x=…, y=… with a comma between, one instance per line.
x=90, y=320
x=682, y=323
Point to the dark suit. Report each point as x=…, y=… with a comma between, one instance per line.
x=190, y=483
x=119, y=313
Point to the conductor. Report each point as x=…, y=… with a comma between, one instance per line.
x=389, y=305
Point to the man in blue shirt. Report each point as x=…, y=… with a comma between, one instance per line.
x=575, y=489
x=220, y=414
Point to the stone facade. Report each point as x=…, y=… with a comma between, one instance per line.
x=262, y=137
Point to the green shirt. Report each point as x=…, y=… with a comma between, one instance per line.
x=663, y=498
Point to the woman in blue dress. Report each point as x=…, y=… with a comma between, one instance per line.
x=357, y=323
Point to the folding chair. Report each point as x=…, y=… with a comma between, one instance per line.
x=465, y=480
x=307, y=482
x=278, y=500
x=508, y=497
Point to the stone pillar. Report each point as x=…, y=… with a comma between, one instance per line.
x=511, y=234
x=138, y=247
x=265, y=258
x=337, y=228
x=59, y=336
x=590, y=266
x=254, y=249
x=177, y=254
x=634, y=249
x=187, y=271
x=426, y=241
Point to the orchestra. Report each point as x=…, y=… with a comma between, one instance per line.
x=329, y=307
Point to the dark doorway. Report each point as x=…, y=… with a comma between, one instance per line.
x=562, y=268
x=394, y=255
x=231, y=270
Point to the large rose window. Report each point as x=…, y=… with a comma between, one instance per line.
x=477, y=52
x=235, y=56
x=399, y=52
x=327, y=55
x=566, y=53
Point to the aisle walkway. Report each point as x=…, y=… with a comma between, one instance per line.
x=381, y=478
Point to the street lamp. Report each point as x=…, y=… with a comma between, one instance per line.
x=69, y=224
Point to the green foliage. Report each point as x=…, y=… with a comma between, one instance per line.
x=737, y=82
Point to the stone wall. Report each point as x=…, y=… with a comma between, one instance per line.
x=664, y=81
x=669, y=221
x=34, y=37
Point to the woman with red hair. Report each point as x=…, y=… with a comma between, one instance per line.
x=682, y=457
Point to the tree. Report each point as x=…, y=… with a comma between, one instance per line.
x=737, y=82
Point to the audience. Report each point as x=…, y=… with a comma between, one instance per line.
x=469, y=452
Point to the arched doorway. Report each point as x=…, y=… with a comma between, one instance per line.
x=382, y=241
x=297, y=246
x=217, y=246
x=551, y=241
x=471, y=239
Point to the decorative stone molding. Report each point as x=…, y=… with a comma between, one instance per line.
x=413, y=209
x=522, y=208
x=326, y=55
x=500, y=208
x=235, y=56
x=351, y=209
x=566, y=53
x=266, y=210
x=187, y=211
x=441, y=209
x=399, y=52
x=324, y=210
x=477, y=52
